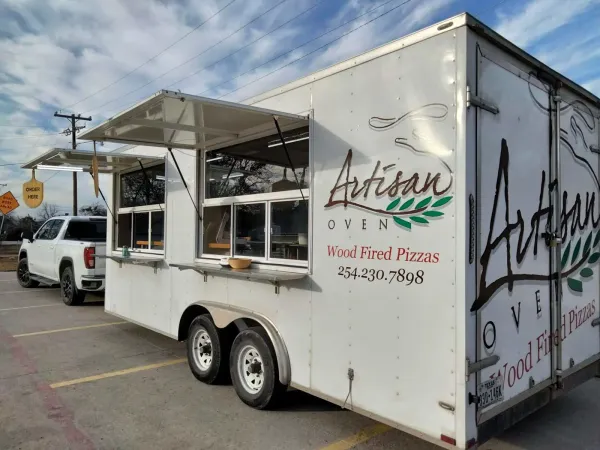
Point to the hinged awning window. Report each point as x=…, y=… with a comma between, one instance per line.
x=176, y=120
x=61, y=159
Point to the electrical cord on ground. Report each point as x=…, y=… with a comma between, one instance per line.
x=349, y=396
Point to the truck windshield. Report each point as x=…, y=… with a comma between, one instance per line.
x=88, y=230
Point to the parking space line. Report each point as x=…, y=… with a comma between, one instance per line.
x=27, y=291
x=34, y=306
x=358, y=438
x=85, y=327
x=117, y=373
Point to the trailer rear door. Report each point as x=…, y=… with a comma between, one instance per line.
x=515, y=292
x=580, y=252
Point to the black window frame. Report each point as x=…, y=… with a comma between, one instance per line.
x=148, y=244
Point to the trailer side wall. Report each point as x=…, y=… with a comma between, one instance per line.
x=384, y=234
x=373, y=326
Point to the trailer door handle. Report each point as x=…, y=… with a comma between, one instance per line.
x=551, y=239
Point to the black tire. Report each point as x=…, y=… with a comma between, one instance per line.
x=68, y=289
x=269, y=391
x=23, y=275
x=211, y=364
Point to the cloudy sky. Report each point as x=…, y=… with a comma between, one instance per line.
x=98, y=57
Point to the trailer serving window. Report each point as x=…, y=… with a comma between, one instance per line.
x=141, y=209
x=254, y=190
x=256, y=199
x=140, y=193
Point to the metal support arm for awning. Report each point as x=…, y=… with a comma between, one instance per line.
x=185, y=184
x=288, y=155
x=105, y=202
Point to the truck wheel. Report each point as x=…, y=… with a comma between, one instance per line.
x=23, y=275
x=68, y=289
x=254, y=371
x=208, y=351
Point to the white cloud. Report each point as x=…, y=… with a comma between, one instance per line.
x=539, y=18
x=593, y=86
x=54, y=54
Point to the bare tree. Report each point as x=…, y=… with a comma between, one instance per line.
x=95, y=209
x=47, y=211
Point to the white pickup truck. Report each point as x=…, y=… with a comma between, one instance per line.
x=63, y=251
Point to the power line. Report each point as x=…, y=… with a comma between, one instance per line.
x=245, y=46
x=19, y=126
x=302, y=45
x=97, y=109
x=280, y=55
x=249, y=44
x=27, y=136
x=319, y=48
x=50, y=177
x=492, y=7
x=152, y=58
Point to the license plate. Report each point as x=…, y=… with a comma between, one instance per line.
x=490, y=392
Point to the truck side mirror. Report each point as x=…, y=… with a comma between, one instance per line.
x=27, y=235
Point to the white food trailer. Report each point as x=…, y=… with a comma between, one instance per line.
x=423, y=221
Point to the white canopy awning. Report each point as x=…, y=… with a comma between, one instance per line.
x=176, y=120
x=81, y=161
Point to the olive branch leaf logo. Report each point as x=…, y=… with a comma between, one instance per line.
x=421, y=213
x=581, y=268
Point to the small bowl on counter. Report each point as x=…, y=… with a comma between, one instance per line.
x=239, y=263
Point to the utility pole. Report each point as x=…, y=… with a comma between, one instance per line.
x=73, y=131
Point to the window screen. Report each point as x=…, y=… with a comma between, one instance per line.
x=143, y=187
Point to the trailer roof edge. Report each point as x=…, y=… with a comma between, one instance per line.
x=444, y=26
x=482, y=29
x=407, y=40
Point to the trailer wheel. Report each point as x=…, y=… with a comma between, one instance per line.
x=208, y=351
x=23, y=275
x=253, y=367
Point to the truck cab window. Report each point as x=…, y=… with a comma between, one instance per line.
x=93, y=230
x=41, y=233
x=50, y=230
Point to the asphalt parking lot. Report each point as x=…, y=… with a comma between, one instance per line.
x=77, y=378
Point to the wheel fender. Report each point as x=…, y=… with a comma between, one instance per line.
x=69, y=261
x=223, y=315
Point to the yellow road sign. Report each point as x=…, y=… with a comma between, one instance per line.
x=8, y=202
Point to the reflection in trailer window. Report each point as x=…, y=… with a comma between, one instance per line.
x=256, y=202
x=140, y=213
